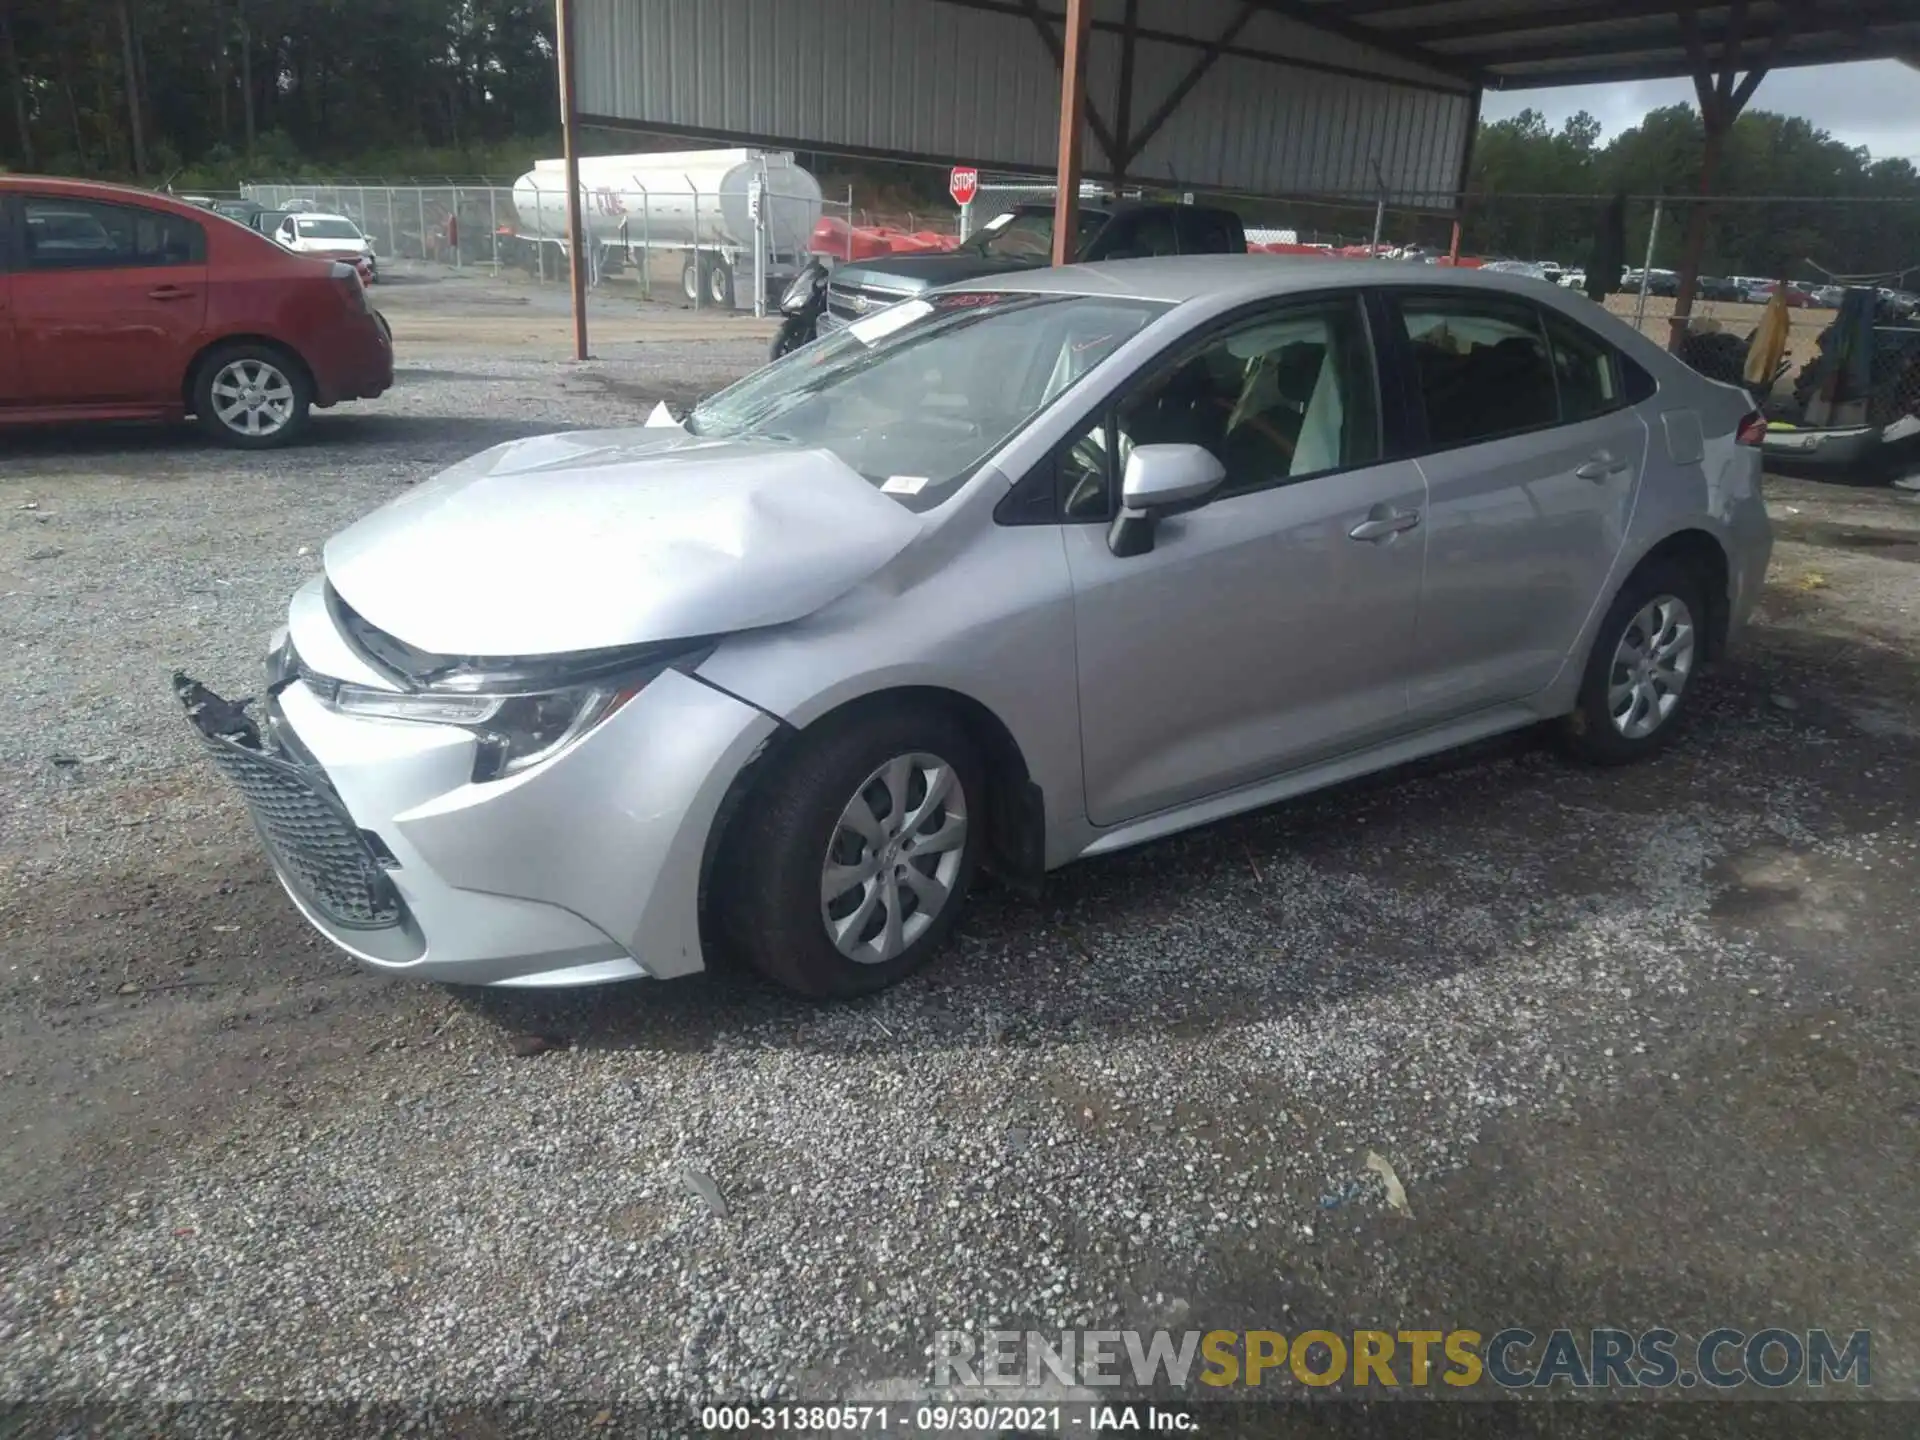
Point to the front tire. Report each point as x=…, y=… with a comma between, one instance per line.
x=792, y=334
x=252, y=396
x=846, y=871
x=1642, y=671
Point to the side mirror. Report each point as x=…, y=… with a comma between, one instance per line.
x=1160, y=480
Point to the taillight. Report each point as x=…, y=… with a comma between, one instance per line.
x=1752, y=431
x=347, y=279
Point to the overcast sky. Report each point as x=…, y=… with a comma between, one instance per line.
x=1875, y=104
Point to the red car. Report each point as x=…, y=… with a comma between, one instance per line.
x=120, y=304
x=1797, y=299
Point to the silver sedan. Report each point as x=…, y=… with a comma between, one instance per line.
x=1003, y=576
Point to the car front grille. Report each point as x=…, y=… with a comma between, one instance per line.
x=847, y=303
x=313, y=841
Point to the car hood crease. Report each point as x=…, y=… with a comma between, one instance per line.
x=604, y=538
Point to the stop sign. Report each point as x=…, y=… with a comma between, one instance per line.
x=963, y=184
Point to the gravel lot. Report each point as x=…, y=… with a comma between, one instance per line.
x=1642, y=1044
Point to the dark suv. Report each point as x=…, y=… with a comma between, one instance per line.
x=1022, y=239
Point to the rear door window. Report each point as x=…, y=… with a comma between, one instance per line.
x=1586, y=369
x=1133, y=237
x=1481, y=366
x=1205, y=232
x=61, y=234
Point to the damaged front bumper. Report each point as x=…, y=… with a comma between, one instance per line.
x=584, y=869
x=326, y=861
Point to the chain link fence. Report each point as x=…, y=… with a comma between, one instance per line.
x=683, y=246
x=699, y=247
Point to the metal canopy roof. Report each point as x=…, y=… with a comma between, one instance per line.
x=1517, y=44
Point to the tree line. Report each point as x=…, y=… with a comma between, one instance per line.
x=218, y=89
x=211, y=92
x=1851, y=214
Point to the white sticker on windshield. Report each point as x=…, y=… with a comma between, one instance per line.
x=999, y=222
x=904, y=484
x=877, y=327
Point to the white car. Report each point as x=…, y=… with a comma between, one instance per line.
x=334, y=236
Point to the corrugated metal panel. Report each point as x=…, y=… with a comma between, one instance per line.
x=1278, y=35
x=1299, y=131
x=888, y=75
x=952, y=83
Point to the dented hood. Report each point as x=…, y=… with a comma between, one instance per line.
x=614, y=537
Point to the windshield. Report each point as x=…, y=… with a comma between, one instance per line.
x=1028, y=234
x=915, y=397
x=328, y=230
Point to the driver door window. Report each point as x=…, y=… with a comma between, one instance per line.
x=1277, y=399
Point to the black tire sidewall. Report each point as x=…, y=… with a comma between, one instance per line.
x=213, y=425
x=768, y=902
x=786, y=339
x=1589, y=730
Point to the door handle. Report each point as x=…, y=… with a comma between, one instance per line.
x=1383, y=523
x=169, y=292
x=1600, y=466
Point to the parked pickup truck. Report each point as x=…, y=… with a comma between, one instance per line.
x=1022, y=239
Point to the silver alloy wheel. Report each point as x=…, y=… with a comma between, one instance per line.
x=893, y=858
x=1650, y=667
x=252, y=397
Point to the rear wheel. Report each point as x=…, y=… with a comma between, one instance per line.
x=847, y=870
x=1645, y=661
x=252, y=396
x=720, y=284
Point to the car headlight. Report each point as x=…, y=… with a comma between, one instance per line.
x=516, y=721
x=799, y=292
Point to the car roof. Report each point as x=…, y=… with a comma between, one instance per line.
x=1234, y=278
x=318, y=215
x=68, y=189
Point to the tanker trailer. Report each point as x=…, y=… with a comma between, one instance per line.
x=695, y=204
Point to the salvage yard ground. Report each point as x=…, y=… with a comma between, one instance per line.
x=1644, y=1045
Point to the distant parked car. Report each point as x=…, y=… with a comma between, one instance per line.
x=1828, y=297
x=333, y=236
x=1021, y=239
x=1659, y=282
x=126, y=305
x=1797, y=299
x=1532, y=269
x=1899, y=303
x=247, y=212
x=1716, y=287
